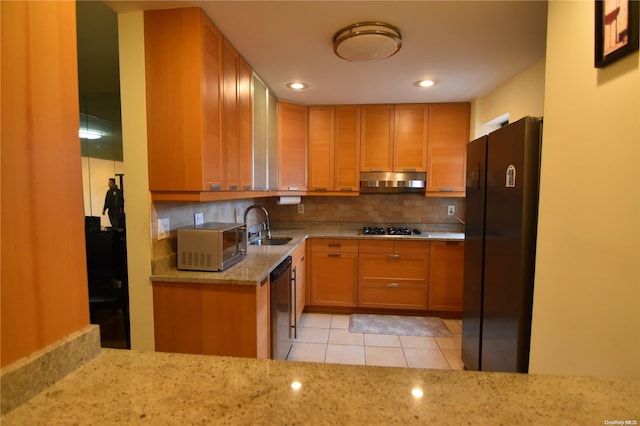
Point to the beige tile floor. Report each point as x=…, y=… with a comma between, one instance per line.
x=326, y=338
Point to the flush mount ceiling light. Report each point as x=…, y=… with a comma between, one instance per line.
x=367, y=41
x=296, y=85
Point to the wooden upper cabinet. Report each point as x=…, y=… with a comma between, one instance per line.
x=334, y=148
x=245, y=124
x=321, y=148
x=376, y=146
x=347, y=148
x=229, y=117
x=293, y=123
x=448, y=136
x=410, y=138
x=182, y=60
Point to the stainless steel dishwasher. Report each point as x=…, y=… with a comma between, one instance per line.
x=281, y=310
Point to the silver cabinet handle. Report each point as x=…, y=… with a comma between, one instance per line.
x=393, y=256
x=393, y=285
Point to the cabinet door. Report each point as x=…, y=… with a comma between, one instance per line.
x=333, y=279
x=376, y=148
x=182, y=57
x=293, y=122
x=231, y=146
x=448, y=135
x=321, y=148
x=410, y=138
x=392, y=295
x=446, y=276
x=199, y=319
x=347, y=148
x=245, y=124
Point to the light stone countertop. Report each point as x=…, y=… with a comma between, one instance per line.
x=261, y=260
x=130, y=387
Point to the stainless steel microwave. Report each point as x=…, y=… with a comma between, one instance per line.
x=212, y=246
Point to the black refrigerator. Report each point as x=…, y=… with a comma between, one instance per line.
x=502, y=188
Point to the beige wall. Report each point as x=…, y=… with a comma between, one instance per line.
x=521, y=96
x=586, y=317
x=138, y=202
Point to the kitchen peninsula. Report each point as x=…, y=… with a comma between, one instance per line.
x=131, y=387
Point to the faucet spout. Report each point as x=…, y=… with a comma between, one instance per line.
x=266, y=216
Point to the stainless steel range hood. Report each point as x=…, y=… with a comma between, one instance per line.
x=392, y=182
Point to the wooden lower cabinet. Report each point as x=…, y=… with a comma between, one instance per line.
x=212, y=319
x=393, y=274
x=446, y=276
x=334, y=272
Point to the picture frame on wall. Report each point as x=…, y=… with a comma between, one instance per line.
x=616, y=30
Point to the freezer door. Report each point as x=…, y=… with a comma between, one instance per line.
x=473, y=252
x=513, y=165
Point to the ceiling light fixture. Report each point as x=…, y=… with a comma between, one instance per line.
x=425, y=83
x=367, y=41
x=296, y=85
x=89, y=134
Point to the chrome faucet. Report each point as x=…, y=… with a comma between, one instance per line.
x=266, y=216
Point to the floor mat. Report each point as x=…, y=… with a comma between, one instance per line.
x=398, y=324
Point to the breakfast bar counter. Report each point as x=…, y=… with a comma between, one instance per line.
x=130, y=387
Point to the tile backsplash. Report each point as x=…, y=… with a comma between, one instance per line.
x=364, y=209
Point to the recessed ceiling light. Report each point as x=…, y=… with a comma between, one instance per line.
x=296, y=85
x=425, y=83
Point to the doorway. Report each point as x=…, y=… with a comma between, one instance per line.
x=102, y=158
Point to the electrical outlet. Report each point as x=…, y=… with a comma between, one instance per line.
x=451, y=210
x=163, y=228
x=300, y=208
x=198, y=219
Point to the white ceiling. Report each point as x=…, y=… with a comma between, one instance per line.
x=468, y=47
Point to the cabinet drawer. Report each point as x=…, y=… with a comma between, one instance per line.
x=334, y=245
x=411, y=247
x=393, y=268
x=376, y=246
x=394, y=246
x=392, y=295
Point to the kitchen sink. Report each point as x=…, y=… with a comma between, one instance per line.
x=277, y=241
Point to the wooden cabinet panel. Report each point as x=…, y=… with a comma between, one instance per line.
x=245, y=124
x=292, y=146
x=376, y=145
x=446, y=276
x=229, y=117
x=212, y=319
x=182, y=57
x=321, y=148
x=448, y=135
x=347, y=148
x=410, y=138
x=299, y=269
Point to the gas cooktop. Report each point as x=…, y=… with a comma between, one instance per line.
x=392, y=230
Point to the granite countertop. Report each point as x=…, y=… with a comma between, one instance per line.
x=125, y=387
x=261, y=260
